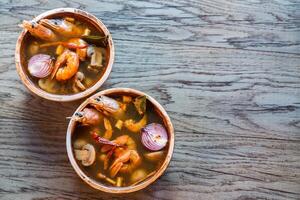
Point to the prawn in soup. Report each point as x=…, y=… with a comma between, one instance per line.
x=119, y=140
x=64, y=55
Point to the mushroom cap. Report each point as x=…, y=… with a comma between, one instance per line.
x=91, y=155
x=86, y=154
x=79, y=143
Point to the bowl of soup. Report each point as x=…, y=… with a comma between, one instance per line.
x=64, y=54
x=120, y=140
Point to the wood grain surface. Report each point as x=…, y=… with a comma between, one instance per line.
x=227, y=72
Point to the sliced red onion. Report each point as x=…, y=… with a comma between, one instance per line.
x=40, y=65
x=154, y=137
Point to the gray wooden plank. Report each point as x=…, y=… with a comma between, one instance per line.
x=233, y=127
x=258, y=25
x=235, y=106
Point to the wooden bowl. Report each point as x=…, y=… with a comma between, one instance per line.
x=111, y=189
x=62, y=12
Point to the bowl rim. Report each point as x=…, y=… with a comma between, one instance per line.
x=129, y=189
x=72, y=97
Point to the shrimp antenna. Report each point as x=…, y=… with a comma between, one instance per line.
x=68, y=118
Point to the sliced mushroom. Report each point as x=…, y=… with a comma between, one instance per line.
x=96, y=60
x=78, y=82
x=79, y=143
x=86, y=155
x=81, y=154
x=90, y=50
x=49, y=85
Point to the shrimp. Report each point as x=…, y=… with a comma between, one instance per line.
x=107, y=158
x=81, y=52
x=124, y=142
x=39, y=31
x=111, y=144
x=88, y=117
x=125, y=163
x=134, y=161
x=135, y=126
x=107, y=105
x=121, y=145
x=63, y=27
x=72, y=63
x=127, y=141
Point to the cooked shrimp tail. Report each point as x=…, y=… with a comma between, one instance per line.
x=66, y=72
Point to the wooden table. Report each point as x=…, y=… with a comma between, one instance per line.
x=227, y=72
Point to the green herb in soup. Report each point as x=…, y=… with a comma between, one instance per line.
x=64, y=55
x=119, y=142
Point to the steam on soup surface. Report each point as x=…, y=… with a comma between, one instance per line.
x=119, y=140
x=64, y=55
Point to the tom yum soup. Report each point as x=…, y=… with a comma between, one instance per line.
x=64, y=55
x=119, y=140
